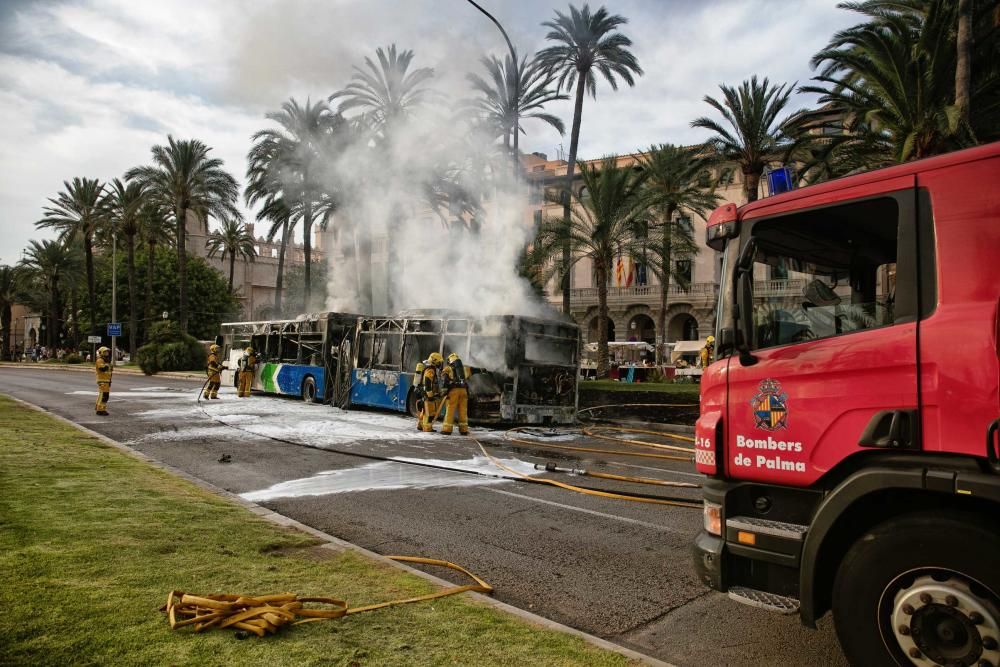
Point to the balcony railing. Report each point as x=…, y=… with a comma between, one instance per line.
x=704, y=293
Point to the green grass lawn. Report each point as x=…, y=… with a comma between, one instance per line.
x=683, y=390
x=92, y=540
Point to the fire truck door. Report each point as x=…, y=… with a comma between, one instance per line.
x=833, y=336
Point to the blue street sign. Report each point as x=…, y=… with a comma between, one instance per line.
x=114, y=328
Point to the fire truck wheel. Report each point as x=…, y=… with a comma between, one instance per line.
x=921, y=589
x=309, y=390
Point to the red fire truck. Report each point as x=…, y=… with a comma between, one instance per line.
x=849, y=425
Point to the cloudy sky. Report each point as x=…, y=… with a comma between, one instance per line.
x=88, y=86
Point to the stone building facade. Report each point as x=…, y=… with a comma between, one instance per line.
x=253, y=282
x=634, y=307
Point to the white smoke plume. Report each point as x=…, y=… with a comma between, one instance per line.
x=427, y=253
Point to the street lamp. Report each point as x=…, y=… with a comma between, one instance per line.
x=517, y=80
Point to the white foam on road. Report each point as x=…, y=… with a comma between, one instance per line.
x=384, y=476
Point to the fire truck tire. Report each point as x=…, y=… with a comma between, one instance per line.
x=309, y=390
x=921, y=589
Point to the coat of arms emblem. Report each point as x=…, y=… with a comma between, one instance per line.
x=770, y=406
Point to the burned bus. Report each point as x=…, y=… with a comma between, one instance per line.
x=524, y=370
x=295, y=357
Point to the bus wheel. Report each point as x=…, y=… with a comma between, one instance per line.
x=309, y=390
x=411, y=404
x=922, y=589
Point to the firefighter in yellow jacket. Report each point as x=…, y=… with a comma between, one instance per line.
x=248, y=364
x=456, y=395
x=104, y=369
x=214, y=370
x=707, y=351
x=432, y=392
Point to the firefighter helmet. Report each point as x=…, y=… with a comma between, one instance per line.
x=710, y=340
x=452, y=357
x=248, y=351
x=103, y=351
x=214, y=349
x=436, y=359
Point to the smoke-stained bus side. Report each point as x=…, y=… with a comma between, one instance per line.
x=522, y=369
x=294, y=356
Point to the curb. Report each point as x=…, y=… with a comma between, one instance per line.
x=336, y=543
x=89, y=368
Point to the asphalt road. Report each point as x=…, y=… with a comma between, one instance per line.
x=620, y=570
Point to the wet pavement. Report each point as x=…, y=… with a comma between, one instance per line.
x=620, y=570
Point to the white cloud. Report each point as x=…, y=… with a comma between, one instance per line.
x=88, y=86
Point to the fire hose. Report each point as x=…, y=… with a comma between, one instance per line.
x=262, y=614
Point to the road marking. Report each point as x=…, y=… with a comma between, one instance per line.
x=573, y=508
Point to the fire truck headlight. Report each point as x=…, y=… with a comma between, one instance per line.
x=713, y=518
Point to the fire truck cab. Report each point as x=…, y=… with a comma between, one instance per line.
x=849, y=423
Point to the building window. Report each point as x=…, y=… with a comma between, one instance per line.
x=274, y=253
x=538, y=218
x=682, y=271
x=641, y=278
x=727, y=176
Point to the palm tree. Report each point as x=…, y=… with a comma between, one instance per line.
x=672, y=188
x=52, y=265
x=124, y=206
x=8, y=295
x=388, y=91
x=585, y=43
x=386, y=94
x=963, y=61
x=604, y=224
x=895, y=86
x=233, y=239
x=755, y=135
x=185, y=178
x=510, y=93
x=286, y=161
x=78, y=212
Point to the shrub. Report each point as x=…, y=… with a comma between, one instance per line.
x=73, y=358
x=169, y=350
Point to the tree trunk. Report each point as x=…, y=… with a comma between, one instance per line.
x=751, y=185
x=307, y=222
x=54, y=309
x=88, y=251
x=6, y=315
x=182, y=305
x=574, y=140
x=665, y=271
x=280, y=281
x=963, y=70
x=75, y=307
x=147, y=308
x=232, y=267
x=602, y=321
x=133, y=306
x=366, y=297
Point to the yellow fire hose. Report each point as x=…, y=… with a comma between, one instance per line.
x=627, y=441
x=589, y=492
x=262, y=614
